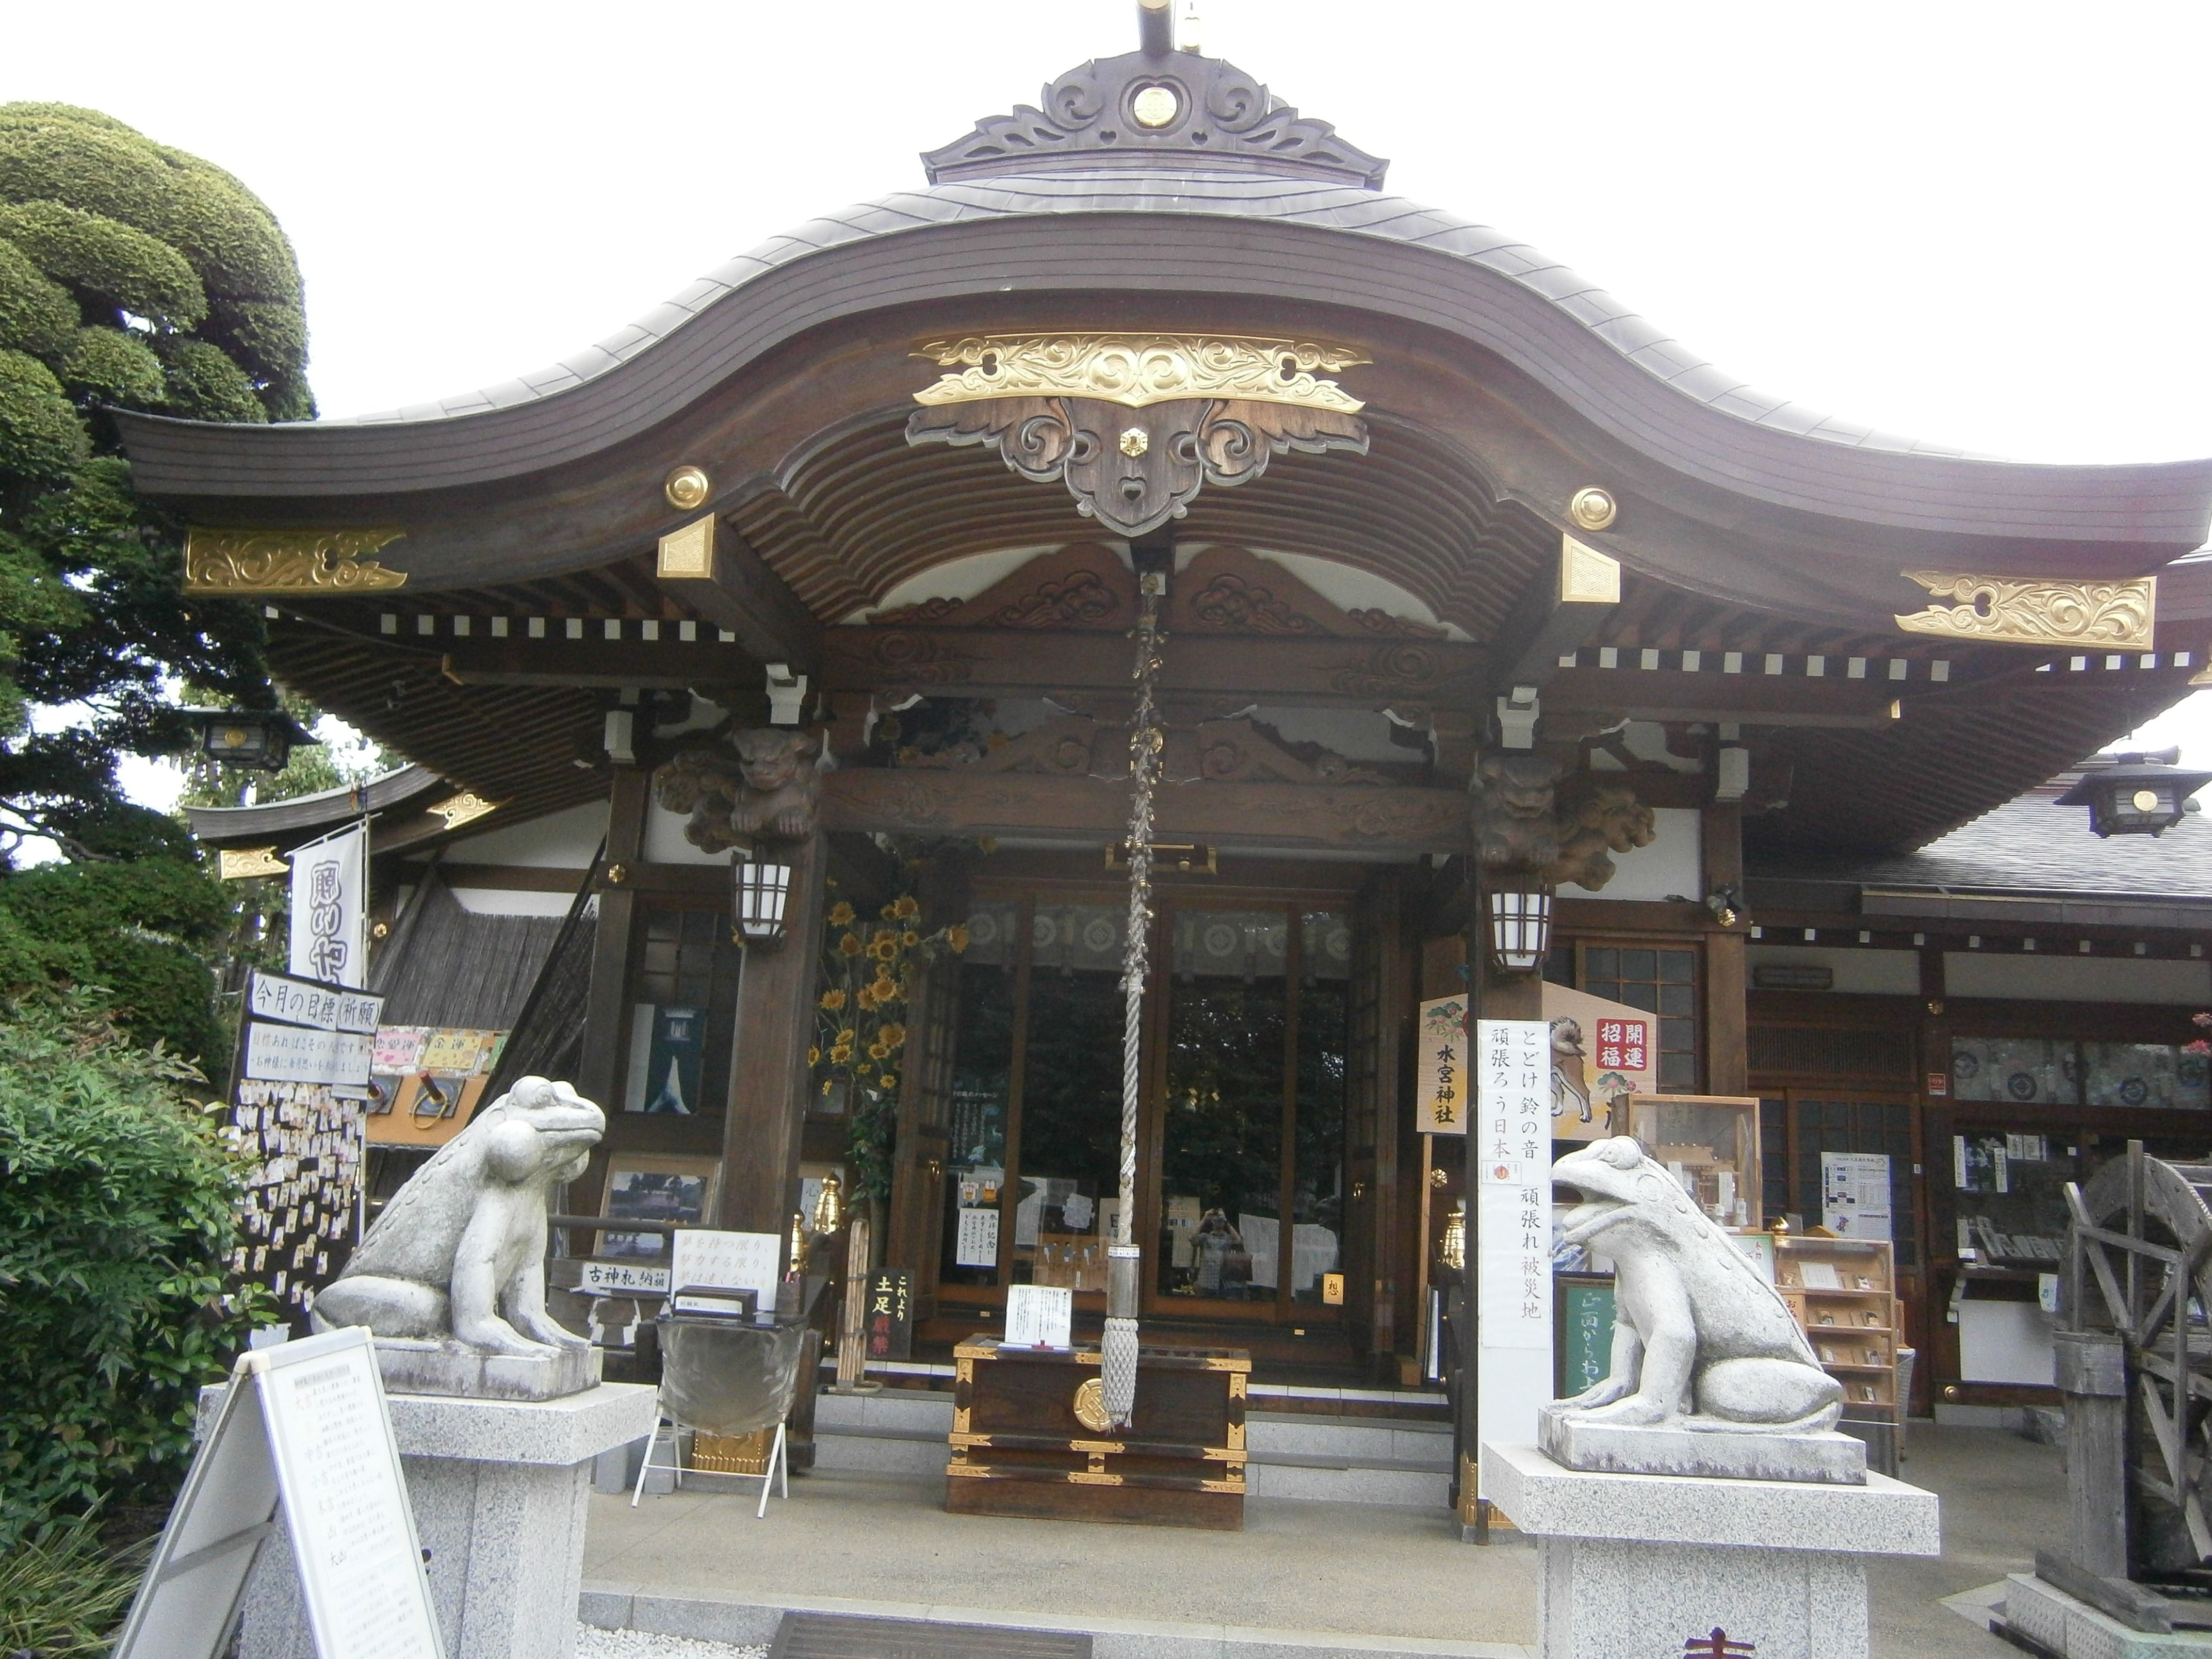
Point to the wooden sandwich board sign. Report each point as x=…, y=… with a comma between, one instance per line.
x=304, y=1423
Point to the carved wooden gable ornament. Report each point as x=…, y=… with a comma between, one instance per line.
x=1134, y=424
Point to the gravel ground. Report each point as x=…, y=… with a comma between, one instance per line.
x=594, y=1643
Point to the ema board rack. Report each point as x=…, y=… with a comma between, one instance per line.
x=1844, y=1292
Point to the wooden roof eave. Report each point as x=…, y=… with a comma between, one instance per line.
x=2135, y=515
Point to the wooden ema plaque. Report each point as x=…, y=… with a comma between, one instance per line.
x=1021, y=1445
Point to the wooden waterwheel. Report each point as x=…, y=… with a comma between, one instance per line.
x=2139, y=1269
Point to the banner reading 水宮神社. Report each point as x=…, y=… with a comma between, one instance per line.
x=330, y=909
x=1440, y=1074
x=1510, y=1148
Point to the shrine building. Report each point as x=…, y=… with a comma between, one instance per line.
x=1512, y=653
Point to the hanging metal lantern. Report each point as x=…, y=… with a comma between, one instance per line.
x=1453, y=1251
x=1520, y=928
x=2137, y=795
x=263, y=739
x=760, y=895
x=829, y=1207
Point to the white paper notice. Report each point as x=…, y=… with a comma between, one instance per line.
x=1512, y=1147
x=1855, y=1194
x=741, y=1262
x=975, y=1244
x=1038, y=1316
x=353, y=1536
x=301, y=1053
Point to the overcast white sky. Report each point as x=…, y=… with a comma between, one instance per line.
x=1978, y=222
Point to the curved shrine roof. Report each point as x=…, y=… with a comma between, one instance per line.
x=1238, y=195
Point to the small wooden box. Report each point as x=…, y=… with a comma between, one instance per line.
x=1021, y=1447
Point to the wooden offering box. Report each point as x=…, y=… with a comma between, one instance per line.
x=1842, y=1291
x=1026, y=1440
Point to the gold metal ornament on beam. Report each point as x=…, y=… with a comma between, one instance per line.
x=2115, y=615
x=1593, y=508
x=238, y=863
x=687, y=488
x=1136, y=370
x=465, y=808
x=288, y=561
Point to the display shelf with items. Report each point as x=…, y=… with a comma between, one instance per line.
x=1710, y=1143
x=2009, y=1198
x=1844, y=1292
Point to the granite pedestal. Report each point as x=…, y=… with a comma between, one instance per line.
x=1650, y=1566
x=2061, y=1624
x=1572, y=1441
x=499, y=1489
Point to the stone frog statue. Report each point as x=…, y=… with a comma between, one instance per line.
x=1700, y=1341
x=459, y=1253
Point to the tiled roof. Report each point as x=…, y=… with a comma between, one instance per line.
x=2028, y=845
x=1348, y=209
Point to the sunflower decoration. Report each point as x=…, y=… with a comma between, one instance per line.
x=869, y=972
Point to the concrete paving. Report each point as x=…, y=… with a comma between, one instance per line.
x=1311, y=1569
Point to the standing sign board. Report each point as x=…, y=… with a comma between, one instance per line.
x=732, y=1261
x=303, y=1423
x=1601, y=1052
x=890, y=1318
x=1511, y=1150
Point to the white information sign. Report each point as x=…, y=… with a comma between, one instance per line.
x=976, y=1240
x=624, y=1279
x=301, y=1053
x=1855, y=1194
x=739, y=1262
x=301, y=1002
x=1510, y=1147
x=330, y=909
x=1038, y=1316
x=305, y=1421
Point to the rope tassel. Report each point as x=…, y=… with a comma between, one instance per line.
x=1124, y=1260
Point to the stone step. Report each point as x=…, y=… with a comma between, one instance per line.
x=754, y=1621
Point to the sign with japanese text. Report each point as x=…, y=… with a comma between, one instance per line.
x=888, y=1320
x=330, y=909
x=1601, y=1051
x=302, y=1053
x=1440, y=1074
x=622, y=1279
x=301, y=1002
x=1511, y=1152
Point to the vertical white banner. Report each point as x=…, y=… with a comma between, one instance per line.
x=1511, y=1150
x=330, y=909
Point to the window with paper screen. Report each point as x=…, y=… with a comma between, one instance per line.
x=683, y=1004
x=1662, y=979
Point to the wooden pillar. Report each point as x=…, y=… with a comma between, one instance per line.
x=2092, y=1376
x=770, y=1080
x=1726, y=1067
x=598, y=1072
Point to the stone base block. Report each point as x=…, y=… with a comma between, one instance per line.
x=452, y=1368
x=1576, y=1443
x=2071, y=1628
x=1640, y=1566
x=499, y=1489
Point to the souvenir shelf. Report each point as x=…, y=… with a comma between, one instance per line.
x=1844, y=1292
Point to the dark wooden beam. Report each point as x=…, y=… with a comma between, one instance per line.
x=1557, y=613
x=738, y=591
x=901, y=802
x=989, y=662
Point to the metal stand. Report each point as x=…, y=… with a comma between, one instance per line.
x=778, y=1470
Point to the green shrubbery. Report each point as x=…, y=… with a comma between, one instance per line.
x=116, y=1190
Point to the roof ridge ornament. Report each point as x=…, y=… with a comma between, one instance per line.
x=1155, y=109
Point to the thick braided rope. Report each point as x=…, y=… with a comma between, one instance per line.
x=1118, y=1356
